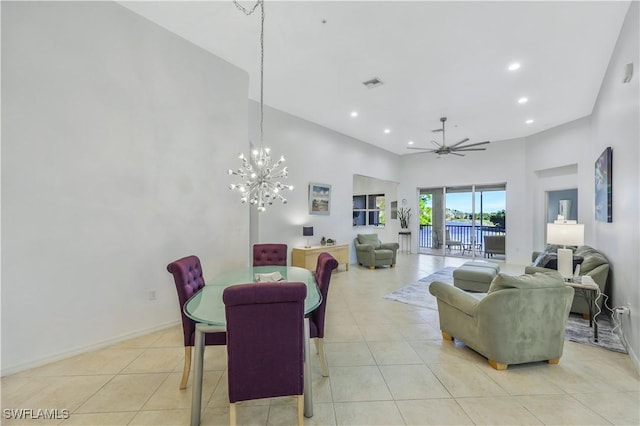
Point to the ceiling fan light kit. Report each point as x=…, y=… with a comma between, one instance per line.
x=455, y=149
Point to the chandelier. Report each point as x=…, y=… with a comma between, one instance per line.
x=259, y=182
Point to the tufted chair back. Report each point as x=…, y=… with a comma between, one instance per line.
x=266, y=334
x=187, y=274
x=269, y=254
x=324, y=267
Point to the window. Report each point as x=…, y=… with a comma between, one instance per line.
x=369, y=210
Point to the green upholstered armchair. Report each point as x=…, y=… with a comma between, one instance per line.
x=371, y=252
x=521, y=319
x=595, y=265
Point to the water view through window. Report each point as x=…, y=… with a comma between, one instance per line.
x=463, y=221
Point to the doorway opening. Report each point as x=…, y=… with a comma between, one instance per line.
x=463, y=221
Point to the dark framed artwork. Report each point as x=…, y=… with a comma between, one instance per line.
x=604, y=170
x=319, y=198
x=394, y=210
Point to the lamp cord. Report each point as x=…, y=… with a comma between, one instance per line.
x=249, y=12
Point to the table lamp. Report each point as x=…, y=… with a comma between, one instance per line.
x=307, y=231
x=565, y=234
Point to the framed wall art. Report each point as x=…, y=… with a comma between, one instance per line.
x=604, y=170
x=319, y=198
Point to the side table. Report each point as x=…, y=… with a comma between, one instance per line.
x=587, y=288
x=307, y=257
x=402, y=240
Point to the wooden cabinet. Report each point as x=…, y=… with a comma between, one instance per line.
x=308, y=257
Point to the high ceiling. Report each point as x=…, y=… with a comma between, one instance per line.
x=434, y=58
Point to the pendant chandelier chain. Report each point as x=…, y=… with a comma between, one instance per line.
x=260, y=183
x=249, y=12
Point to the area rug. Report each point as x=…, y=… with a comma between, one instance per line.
x=418, y=293
x=578, y=329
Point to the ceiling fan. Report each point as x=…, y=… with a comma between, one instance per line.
x=454, y=149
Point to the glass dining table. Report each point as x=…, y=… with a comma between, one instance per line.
x=206, y=308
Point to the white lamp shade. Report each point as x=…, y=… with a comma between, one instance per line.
x=565, y=234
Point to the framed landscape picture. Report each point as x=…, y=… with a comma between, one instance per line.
x=319, y=198
x=604, y=166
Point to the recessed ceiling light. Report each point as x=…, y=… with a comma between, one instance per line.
x=523, y=100
x=514, y=66
x=410, y=142
x=529, y=121
x=354, y=113
x=387, y=131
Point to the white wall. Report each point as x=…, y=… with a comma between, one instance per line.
x=116, y=139
x=556, y=159
x=576, y=145
x=317, y=154
x=500, y=163
x=615, y=123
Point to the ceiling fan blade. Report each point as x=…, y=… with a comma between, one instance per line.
x=455, y=153
x=436, y=130
x=422, y=149
x=436, y=143
x=470, y=149
x=458, y=143
x=475, y=144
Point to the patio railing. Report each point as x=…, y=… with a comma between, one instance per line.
x=462, y=233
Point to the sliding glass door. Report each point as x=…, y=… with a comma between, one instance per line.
x=463, y=221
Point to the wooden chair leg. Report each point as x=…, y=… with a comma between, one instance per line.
x=315, y=342
x=186, y=368
x=323, y=357
x=553, y=361
x=586, y=317
x=232, y=414
x=372, y=267
x=446, y=336
x=498, y=365
x=300, y=399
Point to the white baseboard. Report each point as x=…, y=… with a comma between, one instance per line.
x=632, y=354
x=6, y=371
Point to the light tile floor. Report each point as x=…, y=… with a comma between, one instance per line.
x=388, y=366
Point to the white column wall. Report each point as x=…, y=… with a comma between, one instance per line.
x=116, y=138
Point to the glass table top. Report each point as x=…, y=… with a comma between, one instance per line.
x=206, y=306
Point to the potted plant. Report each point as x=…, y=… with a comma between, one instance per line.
x=404, y=214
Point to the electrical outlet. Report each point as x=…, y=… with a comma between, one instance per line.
x=623, y=310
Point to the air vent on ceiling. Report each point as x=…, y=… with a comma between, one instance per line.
x=374, y=82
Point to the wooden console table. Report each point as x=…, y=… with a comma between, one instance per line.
x=307, y=257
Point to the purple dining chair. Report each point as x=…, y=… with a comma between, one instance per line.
x=265, y=342
x=187, y=274
x=324, y=267
x=269, y=254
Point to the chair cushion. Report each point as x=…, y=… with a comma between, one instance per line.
x=528, y=281
x=383, y=254
x=371, y=239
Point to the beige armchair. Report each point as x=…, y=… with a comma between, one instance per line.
x=521, y=319
x=371, y=252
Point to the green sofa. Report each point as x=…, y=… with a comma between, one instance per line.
x=595, y=265
x=371, y=252
x=521, y=319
